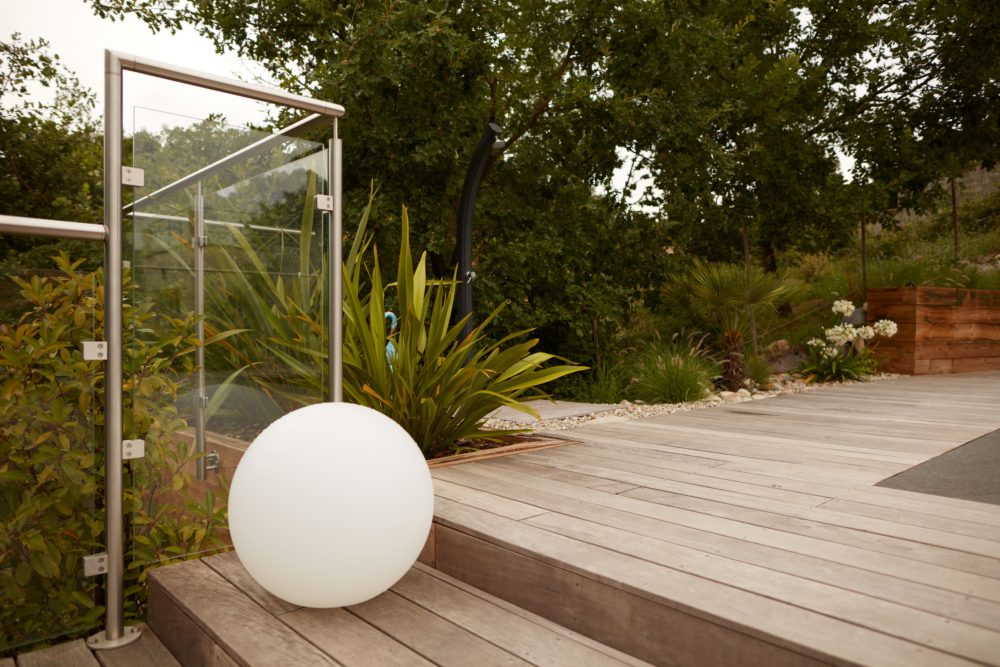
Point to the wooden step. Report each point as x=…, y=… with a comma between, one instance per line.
x=211, y=612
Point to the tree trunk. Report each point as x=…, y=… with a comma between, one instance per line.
x=734, y=370
x=864, y=258
x=746, y=265
x=954, y=217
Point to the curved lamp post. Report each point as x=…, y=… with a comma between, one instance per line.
x=468, y=202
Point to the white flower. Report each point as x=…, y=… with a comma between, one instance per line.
x=866, y=333
x=815, y=342
x=829, y=352
x=843, y=307
x=842, y=334
x=885, y=328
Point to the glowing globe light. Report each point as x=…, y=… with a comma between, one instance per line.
x=330, y=505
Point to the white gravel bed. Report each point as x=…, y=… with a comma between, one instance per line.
x=780, y=384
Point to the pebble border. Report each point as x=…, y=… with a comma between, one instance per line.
x=783, y=383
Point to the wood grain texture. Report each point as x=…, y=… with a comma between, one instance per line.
x=228, y=618
x=434, y=637
x=68, y=654
x=520, y=635
x=228, y=566
x=351, y=640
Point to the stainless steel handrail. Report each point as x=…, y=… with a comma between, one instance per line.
x=63, y=229
x=224, y=85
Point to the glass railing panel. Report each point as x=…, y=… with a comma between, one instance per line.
x=51, y=449
x=227, y=320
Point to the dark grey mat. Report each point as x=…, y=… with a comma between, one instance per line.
x=970, y=472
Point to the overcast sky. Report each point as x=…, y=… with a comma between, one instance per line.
x=79, y=38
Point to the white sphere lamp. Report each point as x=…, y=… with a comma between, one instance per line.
x=330, y=505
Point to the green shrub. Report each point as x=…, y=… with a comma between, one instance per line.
x=759, y=371
x=439, y=386
x=729, y=295
x=607, y=382
x=51, y=448
x=672, y=371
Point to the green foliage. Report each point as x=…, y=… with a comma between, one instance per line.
x=852, y=364
x=607, y=382
x=759, y=372
x=439, y=386
x=724, y=295
x=51, y=475
x=672, y=372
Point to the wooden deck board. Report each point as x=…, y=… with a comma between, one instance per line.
x=67, y=654
x=721, y=514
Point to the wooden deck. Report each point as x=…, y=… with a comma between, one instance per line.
x=749, y=534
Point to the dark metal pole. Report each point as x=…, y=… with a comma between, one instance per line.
x=864, y=258
x=465, y=208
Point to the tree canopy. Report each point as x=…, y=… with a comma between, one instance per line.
x=736, y=113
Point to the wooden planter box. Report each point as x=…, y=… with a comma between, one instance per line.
x=941, y=329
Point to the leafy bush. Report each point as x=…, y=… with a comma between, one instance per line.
x=439, y=386
x=51, y=475
x=673, y=372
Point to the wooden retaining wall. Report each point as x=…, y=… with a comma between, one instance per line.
x=941, y=329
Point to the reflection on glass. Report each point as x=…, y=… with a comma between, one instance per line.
x=226, y=317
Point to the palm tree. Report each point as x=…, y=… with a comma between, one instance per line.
x=731, y=292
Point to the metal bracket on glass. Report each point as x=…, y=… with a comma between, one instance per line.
x=200, y=241
x=212, y=462
x=133, y=176
x=95, y=350
x=95, y=564
x=133, y=449
x=324, y=203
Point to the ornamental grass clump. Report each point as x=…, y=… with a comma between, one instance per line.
x=677, y=371
x=846, y=351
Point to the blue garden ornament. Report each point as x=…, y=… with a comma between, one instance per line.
x=390, y=347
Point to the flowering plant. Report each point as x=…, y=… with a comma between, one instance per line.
x=844, y=352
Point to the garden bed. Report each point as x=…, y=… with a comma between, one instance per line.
x=941, y=330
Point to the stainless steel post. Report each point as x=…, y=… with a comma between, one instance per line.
x=201, y=400
x=114, y=624
x=336, y=268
